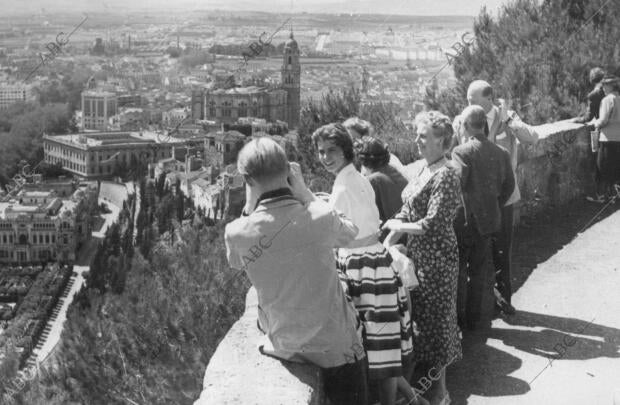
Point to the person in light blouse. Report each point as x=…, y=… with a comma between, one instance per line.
x=365, y=269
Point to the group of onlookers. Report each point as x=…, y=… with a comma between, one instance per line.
x=603, y=114
x=324, y=265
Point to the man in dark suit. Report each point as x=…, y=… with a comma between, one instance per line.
x=487, y=181
x=508, y=131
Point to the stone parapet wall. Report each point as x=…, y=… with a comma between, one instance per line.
x=559, y=168
x=239, y=374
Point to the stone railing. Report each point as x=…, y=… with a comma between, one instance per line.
x=239, y=374
x=557, y=169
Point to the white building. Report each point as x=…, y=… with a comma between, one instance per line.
x=174, y=116
x=13, y=93
x=97, y=108
x=38, y=226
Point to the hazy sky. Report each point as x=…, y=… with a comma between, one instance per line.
x=413, y=7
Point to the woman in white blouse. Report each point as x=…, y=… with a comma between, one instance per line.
x=365, y=269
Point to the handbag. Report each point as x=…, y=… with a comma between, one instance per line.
x=404, y=267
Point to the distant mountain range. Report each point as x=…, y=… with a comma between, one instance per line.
x=407, y=7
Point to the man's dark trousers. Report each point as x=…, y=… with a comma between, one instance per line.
x=347, y=384
x=502, y=253
x=475, y=298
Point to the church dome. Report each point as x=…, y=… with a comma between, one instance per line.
x=291, y=43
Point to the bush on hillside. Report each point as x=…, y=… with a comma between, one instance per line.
x=538, y=55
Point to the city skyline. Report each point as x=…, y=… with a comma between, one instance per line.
x=402, y=7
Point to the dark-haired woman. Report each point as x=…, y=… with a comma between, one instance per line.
x=387, y=182
x=365, y=268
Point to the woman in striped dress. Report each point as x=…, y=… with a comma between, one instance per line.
x=365, y=268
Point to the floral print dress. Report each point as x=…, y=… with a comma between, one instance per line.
x=431, y=199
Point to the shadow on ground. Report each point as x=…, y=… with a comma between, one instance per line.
x=540, y=237
x=484, y=370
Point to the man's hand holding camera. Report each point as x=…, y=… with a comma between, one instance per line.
x=297, y=184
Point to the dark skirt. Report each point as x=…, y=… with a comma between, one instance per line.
x=608, y=162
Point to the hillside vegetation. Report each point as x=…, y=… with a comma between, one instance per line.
x=538, y=55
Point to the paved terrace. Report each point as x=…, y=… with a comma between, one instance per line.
x=562, y=346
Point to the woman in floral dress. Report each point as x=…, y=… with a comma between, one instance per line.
x=430, y=202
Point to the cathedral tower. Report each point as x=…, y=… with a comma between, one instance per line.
x=291, y=80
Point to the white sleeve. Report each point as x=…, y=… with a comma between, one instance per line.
x=395, y=162
x=523, y=132
x=340, y=201
x=604, y=112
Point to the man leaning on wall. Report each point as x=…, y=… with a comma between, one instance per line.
x=284, y=241
x=508, y=131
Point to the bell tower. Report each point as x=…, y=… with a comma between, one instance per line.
x=291, y=80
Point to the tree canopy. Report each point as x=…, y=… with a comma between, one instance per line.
x=538, y=55
x=22, y=127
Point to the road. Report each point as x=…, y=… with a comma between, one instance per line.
x=53, y=329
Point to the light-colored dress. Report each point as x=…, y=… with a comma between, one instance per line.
x=369, y=279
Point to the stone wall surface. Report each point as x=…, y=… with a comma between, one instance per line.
x=559, y=168
x=239, y=374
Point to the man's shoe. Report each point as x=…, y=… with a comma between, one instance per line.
x=503, y=305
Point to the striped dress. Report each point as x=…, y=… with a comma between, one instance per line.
x=370, y=281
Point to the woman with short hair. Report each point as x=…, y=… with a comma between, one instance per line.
x=594, y=98
x=365, y=267
x=387, y=182
x=430, y=203
x=359, y=128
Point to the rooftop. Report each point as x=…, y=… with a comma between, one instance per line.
x=202, y=183
x=35, y=193
x=90, y=139
x=98, y=93
x=227, y=135
x=240, y=90
x=12, y=209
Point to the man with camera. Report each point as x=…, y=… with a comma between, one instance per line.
x=284, y=241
